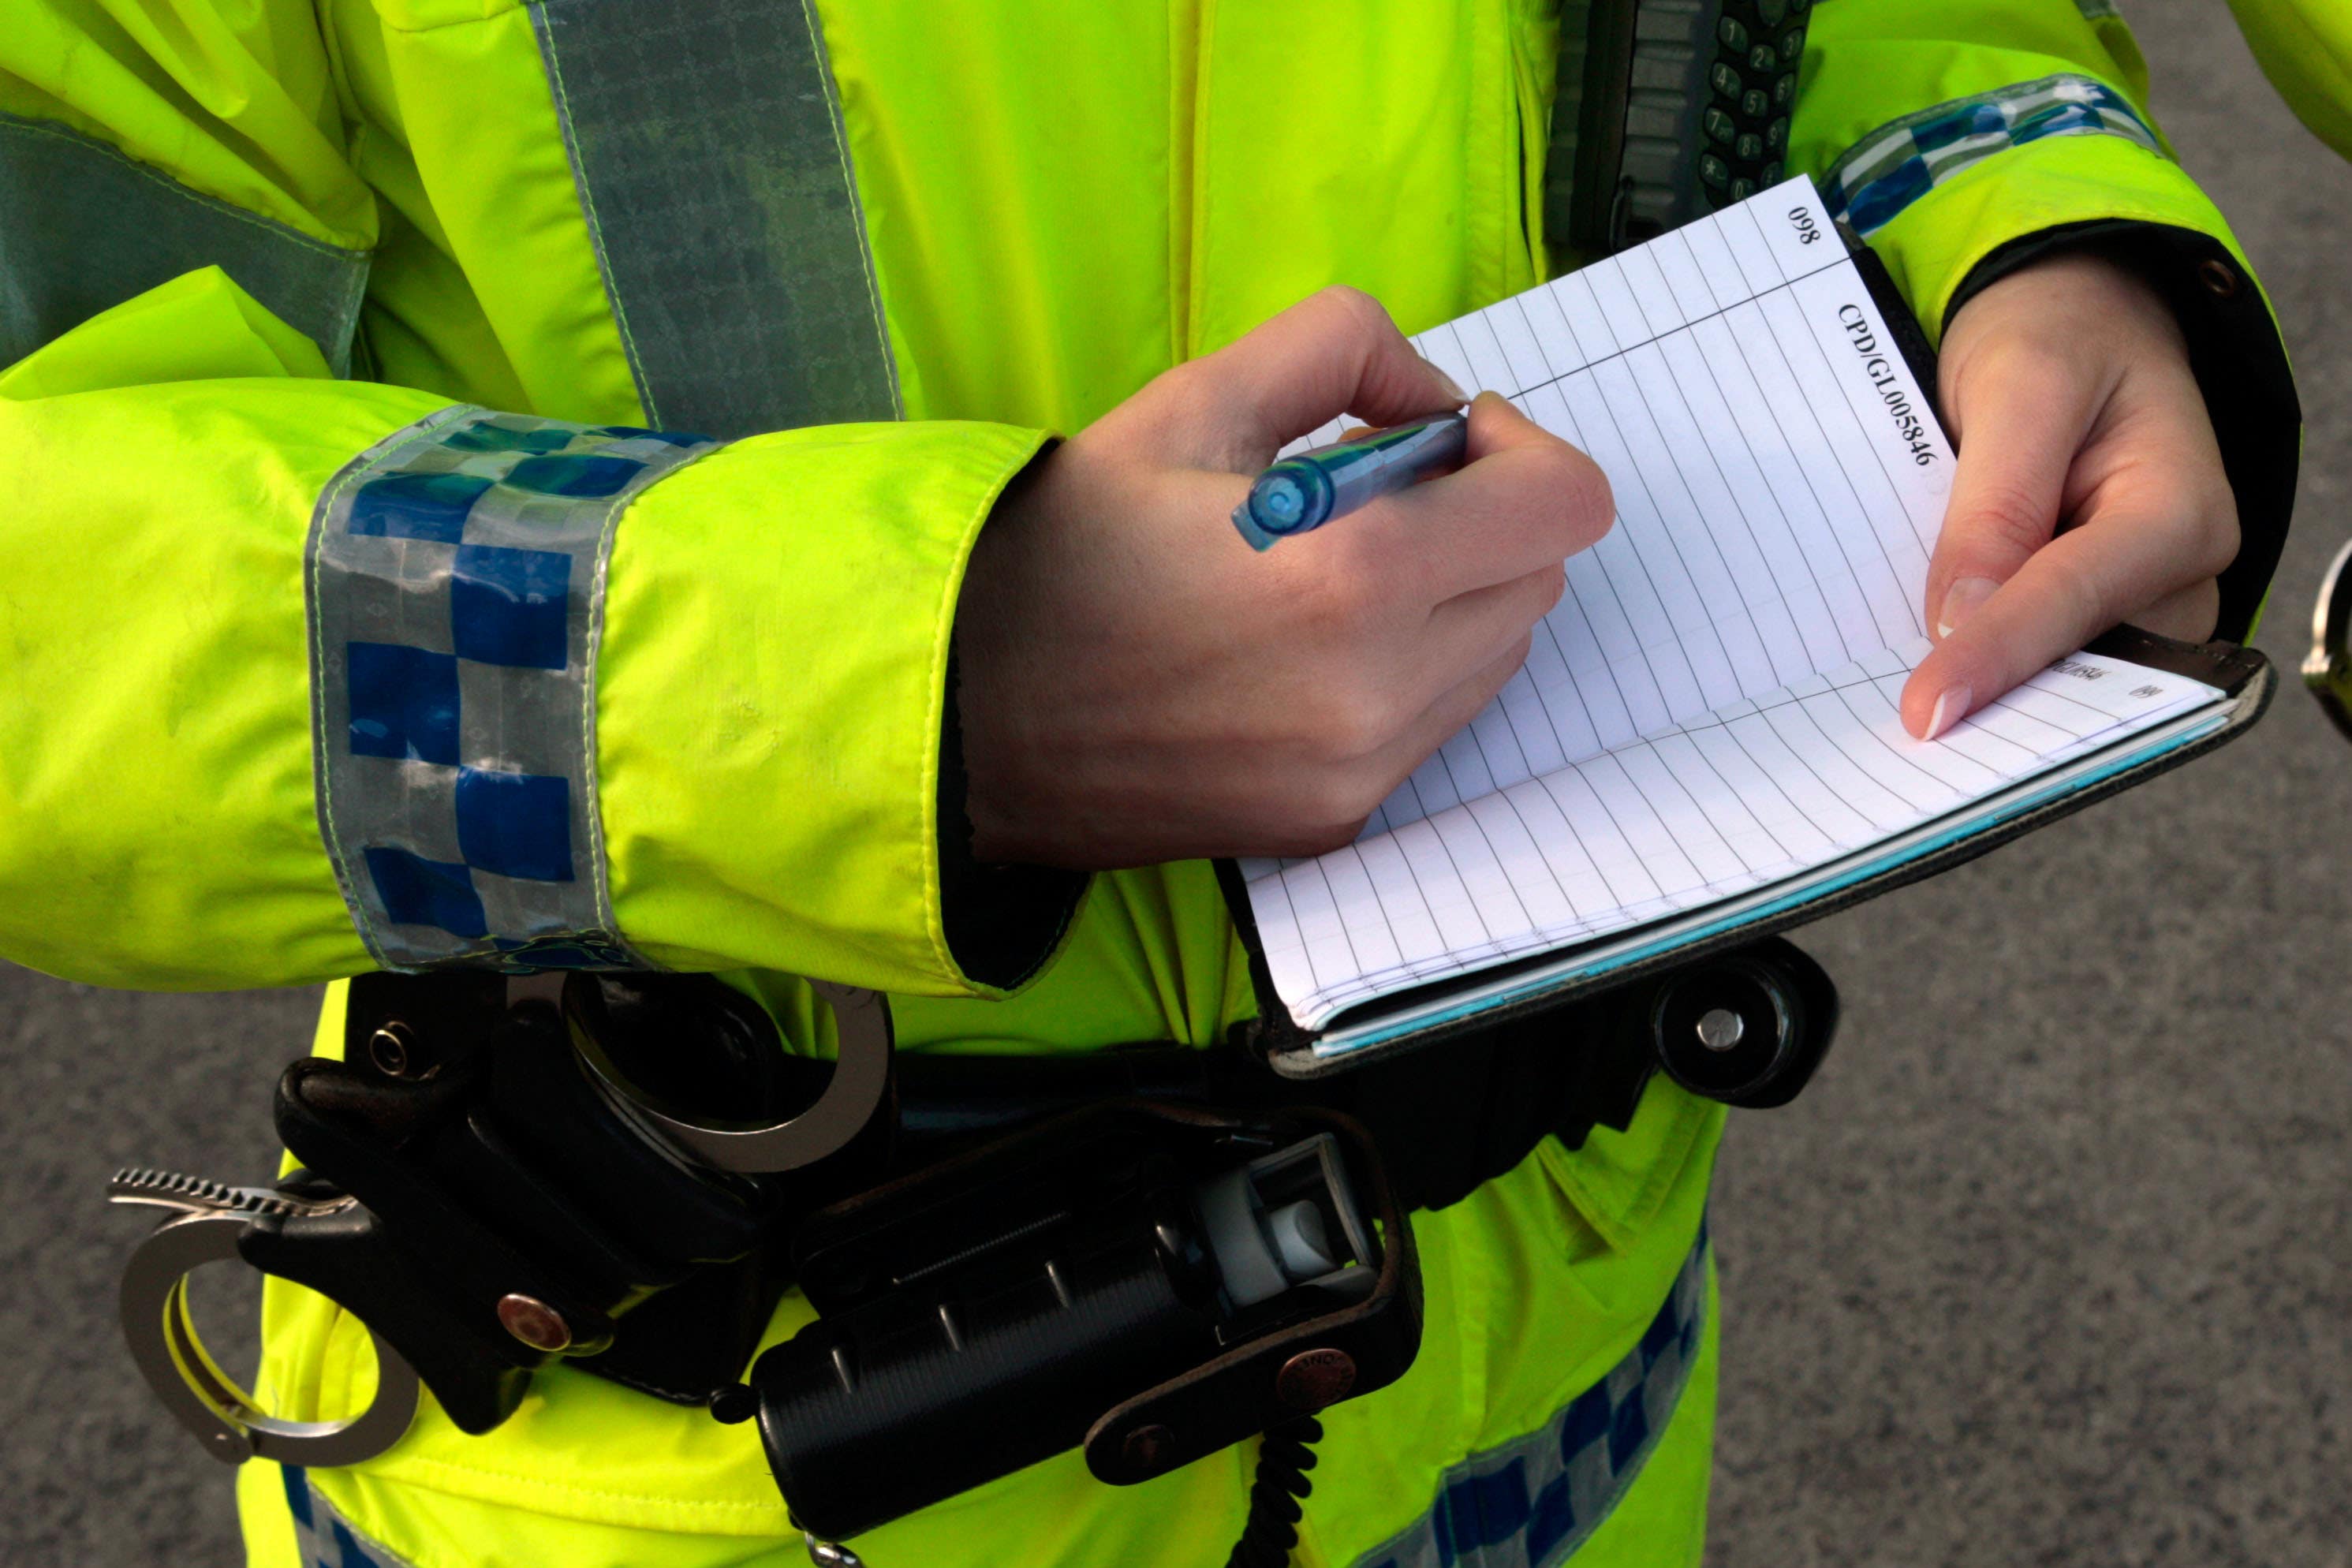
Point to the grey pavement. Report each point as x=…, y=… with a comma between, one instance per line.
x=2051, y=1264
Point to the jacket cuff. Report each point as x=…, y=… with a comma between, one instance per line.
x=1003, y=921
x=773, y=716
x=1934, y=220
x=2239, y=362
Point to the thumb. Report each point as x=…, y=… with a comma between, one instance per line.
x=1497, y=425
x=1334, y=352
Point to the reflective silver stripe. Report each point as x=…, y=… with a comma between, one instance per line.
x=705, y=140
x=1874, y=181
x=83, y=229
x=455, y=580
x=1530, y=1503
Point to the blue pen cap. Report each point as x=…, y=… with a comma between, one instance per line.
x=1291, y=496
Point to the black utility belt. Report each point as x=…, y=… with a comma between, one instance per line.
x=1148, y=1252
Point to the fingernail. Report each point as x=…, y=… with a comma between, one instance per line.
x=1951, y=707
x=1452, y=388
x=1962, y=600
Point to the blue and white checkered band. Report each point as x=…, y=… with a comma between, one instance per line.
x=1897, y=164
x=455, y=578
x=1532, y=1502
x=324, y=1538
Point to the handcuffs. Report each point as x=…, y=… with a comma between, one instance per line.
x=208, y=1220
x=2327, y=670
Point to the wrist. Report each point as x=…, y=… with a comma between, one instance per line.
x=986, y=688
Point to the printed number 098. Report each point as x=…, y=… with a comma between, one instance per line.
x=1806, y=231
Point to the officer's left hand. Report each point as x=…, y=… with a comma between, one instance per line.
x=2089, y=492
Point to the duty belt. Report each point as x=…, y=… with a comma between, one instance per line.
x=1150, y=1251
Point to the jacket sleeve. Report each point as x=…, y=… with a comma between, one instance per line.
x=1965, y=142
x=2306, y=48
x=302, y=676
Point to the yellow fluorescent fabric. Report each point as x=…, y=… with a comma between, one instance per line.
x=802, y=753
x=1050, y=298
x=484, y=232
x=199, y=327
x=1064, y=199
x=234, y=100
x=156, y=826
x=2306, y=48
x=1422, y=208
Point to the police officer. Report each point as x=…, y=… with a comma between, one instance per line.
x=309, y=671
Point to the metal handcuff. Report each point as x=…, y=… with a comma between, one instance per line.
x=2327, y=670
x=208, y=1218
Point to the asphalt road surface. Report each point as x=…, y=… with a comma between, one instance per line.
x=2051, y=1264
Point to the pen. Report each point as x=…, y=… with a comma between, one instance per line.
x=1307, y=490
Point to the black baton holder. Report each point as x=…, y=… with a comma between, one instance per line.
x=1073, y=1285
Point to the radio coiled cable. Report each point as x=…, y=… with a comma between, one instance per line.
x=1285, y=1455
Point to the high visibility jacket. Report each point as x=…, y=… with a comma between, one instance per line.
x=2306, y=48
x=309, y=664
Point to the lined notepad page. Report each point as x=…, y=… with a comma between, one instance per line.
x=1711, y=706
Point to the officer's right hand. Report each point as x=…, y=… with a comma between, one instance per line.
x=1137, y=685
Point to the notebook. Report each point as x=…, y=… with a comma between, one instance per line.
x=1703, y=743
